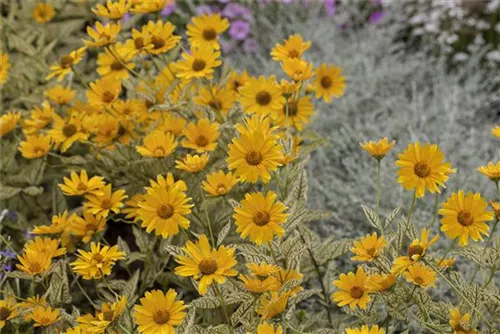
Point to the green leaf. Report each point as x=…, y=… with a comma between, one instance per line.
x=20, y=275
x=223, y=233
x=7, y=192
x=175, y=251
x=371, y=216
x=58, y=291
x=33, y=191
x=206, y=302
x=188, y=322
x=130, y=288
x=141, y=239
x=59, y=204
x=391, y=216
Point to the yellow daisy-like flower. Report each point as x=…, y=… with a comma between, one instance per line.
x=287, y=275
x=168, y=182
x=76, y=330
x=101, y=204
x=8, y=310
x=329, y=82
x=460, y=323
x=162, y=37
x=43, y=316
x=199, y=64
x=297, y=69
x=267, y=328
x=172, y=124
x=159, y=312
x=46, y=246
x=492, y=170
x=421, y=275
x=192, y=163
x=378, y=149
x=35, y=146
x=206, y=264
x=80, y=185
x=65, y=132
x=368, y=248
x=237, y=80
x=219, y=99
x=34, y=263
x=98, y=262
x=446, y=263
x=39, y=119
x=104, y=92
x=496, y=208
x=296, y=113
x=8, y=122
x=495, y=131
x=4, y=67
x=60, y=223
x=112, y=10
x=64, y=67
x=293, y=47
x=423, y=168
x=164, y=210
x=380, y=282
x=204, y=30
x=288, y=88
x=141, y=42
x=34, y=301
x=102, y=35
x=60, y=95
x=260, y=284
x=262, y=96
x=272, y=304
x=201, y=136
x=465, y=216
x=365, y=329
x=43, y=12
x=149, y=6
x=86, y=227
x=157, y=144
x=115, y=62
x=109, y=313
x=219, y=183
x=131, y=207
x=260, y=217
x=416, y=250
x=353, y=289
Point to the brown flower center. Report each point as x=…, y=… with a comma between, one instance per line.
x=253, y=158
x=97, y=258
x=81, y=186
x=198, y=65
x=261, y=218
x=207, y=266
x=215, y=104
x=418, y=280
x=263, y=98
x=160, y=151
x=326, y=82
x=422, y=170
x=106, y=204
x=108, y=315
x=108, y=97
x=293, y=53
x=415, y=250
x=117, y=66
x=161, y=317
x=357, y=292
x=292, y=109
x=139, y=43
x=165, y=211
x=66, y=61
x=69, y=130
x=35, y=267
x=465, y=218
x=236, y=85
x=209, y=34
x=38, y=151
x=371, y=251
x=202, y=141
x=4, y=313
x=221, y=188
x=158, y=43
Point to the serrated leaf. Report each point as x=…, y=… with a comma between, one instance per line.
x=206, y=302
x=130, y=288
x=33, y=191
x=20, y=275
x=174, y=251
x=391, y=216
x=188, y=322
x=223, y=233
x=141, y=239
x=59, y=203
x=371, y=216
x=7, y=192
x=122, y=245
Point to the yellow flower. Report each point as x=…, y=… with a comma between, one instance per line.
x=108, y=314
x=34, y=263
x=262, y=269
x=164, y=210
x=262, y=96
x=460, y=324
x=141, y=42
x=206, y=264
x=192, y=163
x=296, y=113
x=380, y=282
x=87, y=226
x=4, y=67
x=204, y=30
x=112, y=10
x=287, y=275
x=98, y=262
x=43, y=12
x=39, y=118
x=422, y=167
x=60, y=95
x=292, y=48
x=297, y=69
x=272, y=304
x=104, y=92
x=101, y=204
x=465, y=216
x=159, y=312
x=157, y=144
x=199, y=64
x=35, y=146
x=34, y=301
x=162, y=37
x=46, y=246
x=80, y=185
x=260, y=217
x=102, y=35
x=378, y=149
x=43, y=316
x=368, y=248
x=149, y=6
x=64, y=67
x=446, y=263
x=420, y=275
x=496, y=208
x=416, y=250
x=267, y=328
x=115, y=62
x=353, y=289
x=60, y=223
x=66, y=132
x=168, y=183
x=8, y=122
x=132, y=205
x=288, y=88
x=257, y=123
x=491, y=170
x=201, y=136
x=365, y=329
x=219, y=183
x=8, y=310
x=329, y=82
x=219, y=99
x=237, y=80
x=495, y=131
x=75, y=330
x=260, y=284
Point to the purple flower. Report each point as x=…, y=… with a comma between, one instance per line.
x=8, y=253
x=251, y=45
x=234, y=10
x=226, y=46
x=7, y=267
x=377, y=16
x=169, y=9
x=330, y=7
x=239, y=30
x=12, y=215
x=204, y=9
x=29, y=235
x=223, y=1
x=126, y=17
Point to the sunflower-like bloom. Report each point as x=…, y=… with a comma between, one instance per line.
x=237, y=80
x=192, y=163
x=199, y=64
x=98, y=262
x=368, y=248
x=39, y=118
x=157, y=144
x=46, y=246
x=365, y=329
x=64, y=67
x=421, y=275
x=86, y=227
x=285, y=276
x=60, y=95
x=445, y=263
x=4, y=67
x=168, y=182
x=293, y=47
x=65, y=132
x=115, y=62
x=423, y=168
x=43, y=316
x=380, y=282
x=296, y=113
x=206, y=264
x=353, y=289
x=159, y=312
x=460, y=324
x=101, y=204
x=297, y=69
x=267, y=328
x=204, y=30
x=33, y=262
x=201, y=136
x=496, y=131
x=8, y=310
x=263, y=278
x=378, y=149
x=329, y=82
x=219, y=183
x=262, y=96
x=492, y=170
x=162, y=37
x=164, y=210
x=416, y=250
x=496, y=209
x=272, y=304
x=132, y=206
x=140, y=42
x=465, y=216
x=104, y=92
x=219, y=99
x=60, y=225
x=172, y=124
x=35, y=146
x=8, y=122
x=260, y=217
x=43, y=12
x=80, y=185
x=109, y=313
x=102, y=35
x=112, y=10
x=76, y=330
x=32, y=302
x=150, y=6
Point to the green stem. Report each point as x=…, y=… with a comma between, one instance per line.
x=484, y=250
x=8, y=244
x=449, y=249
x=412, y=205
x=223, y=302
x=436, y=204
x=209, y=223
x=377, y=207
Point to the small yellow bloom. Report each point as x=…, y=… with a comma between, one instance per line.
x=4, y=67
x=149, y=6
x=80, y=185
x=285, y=276
x=261, y=96
x=34, y=263
x=46, y=246
x=492, y=170
x=192, y=163
x=260, y=284
x=365, y=329
x=199, y=64
x=219, y=99
x=43, y=12
x=43, y=316
x=115, y=62
x=416, y=250
x=102, y=35
x=86, y=227
x=103, y=318
x=272, y=304
x=296, y=113
x=141, y=42
x=201, y=136
x=112, y=10
x=65, y=132
x=162, y=37
x=8, y=122
x=98, y=262
x=292, y=48
x=60, y=223
x=353, y=289
x=132, y=206
x=378, y=149
x=35, y=146
x=496, y=208
x=421, y=275
x=172, y=124
x=157, y=144
x=106, y=201
x=34, y=301
x=39, y=119
x=219, y=183
x=329, y=82
x=204, y=30
x=8, y=310
x=104, y=92
x=496, y=131
x=446, y=263
x=237, y=80
x=267, y=328
x=60, y=95
x=380, y=282
x=64, y=67
x=368, y=248
x=460, y=323
x=297, y=69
